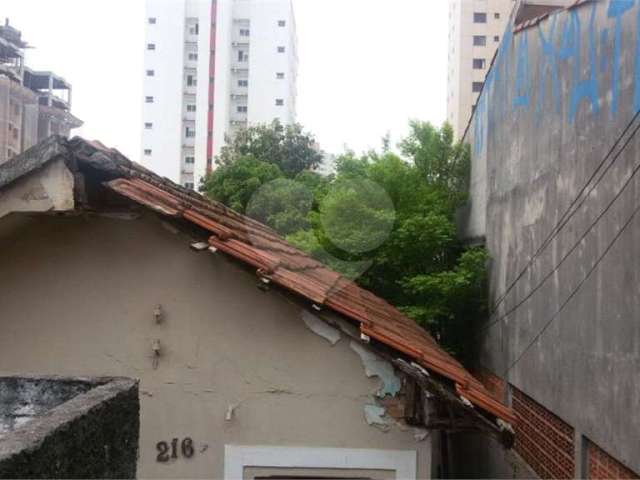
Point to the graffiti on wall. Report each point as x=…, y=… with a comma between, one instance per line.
x=575, y=40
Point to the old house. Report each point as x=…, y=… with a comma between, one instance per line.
x=254, y=360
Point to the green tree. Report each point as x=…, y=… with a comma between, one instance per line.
x=289, y=147
x=385, y=220
x=235, y=183
x=282, y=204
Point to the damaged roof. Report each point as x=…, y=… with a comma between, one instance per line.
x=274, y=259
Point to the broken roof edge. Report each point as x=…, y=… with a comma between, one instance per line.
x=259, y=246
x=32, y=159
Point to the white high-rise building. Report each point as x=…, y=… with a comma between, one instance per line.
x=475, y=32
x=213, y=67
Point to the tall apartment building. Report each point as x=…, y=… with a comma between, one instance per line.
x=475, y=32
x=33, y=105
x=213, y=67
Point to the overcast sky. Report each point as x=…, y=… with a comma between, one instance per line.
x=366, y=66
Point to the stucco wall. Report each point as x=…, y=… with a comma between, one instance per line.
x=79, y=295
x=559, y=95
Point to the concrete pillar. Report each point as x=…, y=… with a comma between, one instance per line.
x=580, y=456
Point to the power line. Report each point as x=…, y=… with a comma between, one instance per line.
x=568, y=214
x=574, y=292
x=577, y=243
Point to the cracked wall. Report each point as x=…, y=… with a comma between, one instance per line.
x=236, y=365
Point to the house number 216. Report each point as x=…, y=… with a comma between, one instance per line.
x=186, y=446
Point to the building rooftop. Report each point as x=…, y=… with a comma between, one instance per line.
x=275, y=261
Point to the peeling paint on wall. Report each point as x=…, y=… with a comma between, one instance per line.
x=375, y=415
x=321, y=328
x=374, y=366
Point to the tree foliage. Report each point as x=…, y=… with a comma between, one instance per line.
x=288, y=147
x=384, y=219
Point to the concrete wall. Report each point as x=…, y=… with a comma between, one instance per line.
x=166, y=87
x=18, y=112
x=24, y=399
x=265, y=61
x=79, y=295
x=171, y=64
x=94, y=434
x=480, y=456
x=558, y=97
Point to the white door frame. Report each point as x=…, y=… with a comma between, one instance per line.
x=237, y=458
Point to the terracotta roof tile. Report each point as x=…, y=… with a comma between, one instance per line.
x=259, y=246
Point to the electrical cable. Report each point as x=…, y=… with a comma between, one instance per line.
x=577, y=243
x=574, y=292
x=568, y=214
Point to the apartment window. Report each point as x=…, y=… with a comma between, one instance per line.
x=479, y=40
x=244, y=32
x=280, y=49
x=243, y=83
x=148, y=99
x=188, y=185
x=282, y=23
x=241, y=109
x=496, y=16
x=148, y=126
x=147, y=152
x=476, y=87
x=191, y=81
x=279, y=102
x=193, y=56
x=191, y=108
x=189, y=160
x=151, y=73
x=194, y=29
x=280, y=75
x=243, y=56
x=152, y=20
x=479, y=17
x=496, y=38
x=189, y=132
x=151, y=46
x=479, y=63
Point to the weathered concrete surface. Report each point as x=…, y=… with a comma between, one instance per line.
x=82, y=302
x=559, y=95
x=23, y=399
x=94, y=434
x=48, y=190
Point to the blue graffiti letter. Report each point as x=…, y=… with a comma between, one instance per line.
x=570, y=47
x=549, y=61
x=617, y=9
x=521, y=97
